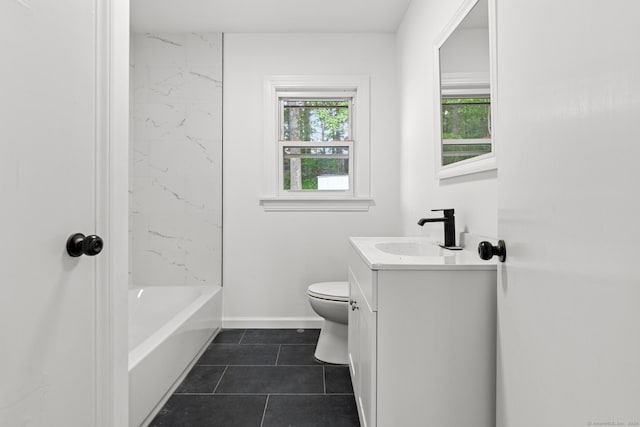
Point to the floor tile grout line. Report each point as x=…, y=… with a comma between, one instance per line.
x=242, y=337
x=248, y=344
x=219, y=380
x=263, y=394
x=263, y=365
x=292, y=344
x=266, y=403
x=324, y=379
x=278, y=355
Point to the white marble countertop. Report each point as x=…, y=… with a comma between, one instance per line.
x=437, y=258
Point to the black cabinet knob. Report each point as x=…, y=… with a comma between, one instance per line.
x=486, y=250
x=79, y=244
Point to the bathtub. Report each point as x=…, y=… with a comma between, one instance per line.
x=169, y=327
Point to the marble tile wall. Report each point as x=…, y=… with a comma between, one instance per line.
x=175, y=190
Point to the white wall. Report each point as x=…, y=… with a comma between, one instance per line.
x=473, y=196
x=466, y=51
x=176, y=159
x=271, y=257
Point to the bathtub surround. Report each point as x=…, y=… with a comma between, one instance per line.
x=261, y=378
x=175, y=208
x=176, y=159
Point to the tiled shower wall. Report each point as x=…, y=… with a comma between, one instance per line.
x=176, y=159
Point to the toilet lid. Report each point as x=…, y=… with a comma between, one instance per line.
x=335, y=291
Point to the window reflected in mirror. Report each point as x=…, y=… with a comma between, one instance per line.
x=466, y=127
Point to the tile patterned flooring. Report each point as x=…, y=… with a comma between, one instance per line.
x=262, y=378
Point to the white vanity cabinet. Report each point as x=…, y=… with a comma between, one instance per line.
x=422, y=339
x=362, y=345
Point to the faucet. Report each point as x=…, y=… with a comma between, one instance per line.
x=449, y=227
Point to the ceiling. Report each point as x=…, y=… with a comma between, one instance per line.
x=271, y=16
x=478, y=16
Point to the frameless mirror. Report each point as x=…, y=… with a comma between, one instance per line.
x=464, y=107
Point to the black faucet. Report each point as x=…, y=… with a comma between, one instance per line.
x=449, y=226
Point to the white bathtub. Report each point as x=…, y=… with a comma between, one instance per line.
x=169, y=327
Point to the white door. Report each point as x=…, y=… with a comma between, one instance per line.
x=50, y=140
x=569, y=211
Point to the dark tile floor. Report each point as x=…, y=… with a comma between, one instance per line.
x=262, y=378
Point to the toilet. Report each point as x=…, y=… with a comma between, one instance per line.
x=330, y=300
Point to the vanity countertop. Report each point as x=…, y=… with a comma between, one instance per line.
x=416, y=253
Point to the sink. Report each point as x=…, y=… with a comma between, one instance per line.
x=415, y=253
x=411, y=249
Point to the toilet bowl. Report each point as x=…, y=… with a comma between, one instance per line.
x=330, y=300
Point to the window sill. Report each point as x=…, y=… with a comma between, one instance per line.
x=281, y=204
x=482, y=163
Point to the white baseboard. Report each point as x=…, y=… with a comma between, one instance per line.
x=272, y=322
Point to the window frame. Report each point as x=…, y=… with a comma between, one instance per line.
x=275, y=197
x=351, y=97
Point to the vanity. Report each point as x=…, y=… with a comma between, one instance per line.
x=422, y=333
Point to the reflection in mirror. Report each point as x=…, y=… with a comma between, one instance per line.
x=463, y=54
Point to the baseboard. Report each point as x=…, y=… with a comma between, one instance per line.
x=272, y=322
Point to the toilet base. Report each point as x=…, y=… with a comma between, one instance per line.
x=332, y=343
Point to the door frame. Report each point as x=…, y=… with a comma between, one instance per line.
x=112, y=211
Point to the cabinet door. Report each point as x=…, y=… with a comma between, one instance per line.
x=362, y=352
x=354, y=333
x=368, y=330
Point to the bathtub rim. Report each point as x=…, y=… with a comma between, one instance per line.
x=146, y=346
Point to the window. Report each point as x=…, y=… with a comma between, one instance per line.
x=317, y=131
x=464, y=124
x=316, y=143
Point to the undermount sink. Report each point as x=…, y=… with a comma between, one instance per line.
x=411, y=249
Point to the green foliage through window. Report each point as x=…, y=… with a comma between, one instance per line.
x=466, y=128
x=318, y=120
x=466, y=118
x=315, y=162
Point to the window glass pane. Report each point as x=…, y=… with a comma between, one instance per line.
x=466, y=118
x=316, y=168
x=456, y=150
x=466, y=128
x=315, y=120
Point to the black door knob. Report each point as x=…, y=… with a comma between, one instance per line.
x=486, y=250
x=78, y=244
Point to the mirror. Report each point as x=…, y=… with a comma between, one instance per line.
x=464, y=84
